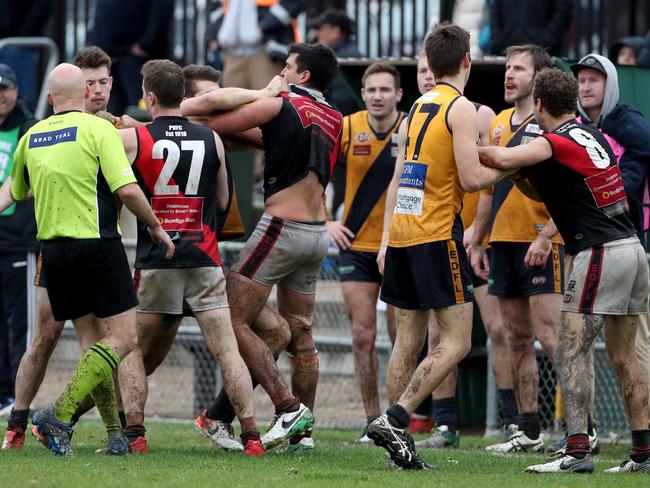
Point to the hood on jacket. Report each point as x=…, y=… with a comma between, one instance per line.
x=636, y=43
x=610, y=99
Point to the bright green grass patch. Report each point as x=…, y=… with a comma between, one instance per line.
x=180, y=457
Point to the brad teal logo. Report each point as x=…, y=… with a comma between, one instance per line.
x=43, y=139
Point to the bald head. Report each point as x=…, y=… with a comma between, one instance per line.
x=66, y=87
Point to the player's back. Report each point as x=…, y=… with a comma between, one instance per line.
x=176, y=166
x=429, y=195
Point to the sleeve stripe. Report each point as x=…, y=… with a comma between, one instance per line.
x=281, y=13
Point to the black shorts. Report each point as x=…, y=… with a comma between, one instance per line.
x=39, y=276
x=87, y=276
x=358, y=266
x=427, y=276
x=510, y=278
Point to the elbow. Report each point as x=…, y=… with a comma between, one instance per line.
x=470, y=186
x=222, y=203
x=127, y=192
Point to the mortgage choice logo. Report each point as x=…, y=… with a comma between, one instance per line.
x=410, y=193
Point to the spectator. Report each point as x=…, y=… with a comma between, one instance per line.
x=625, y=51
x=130, y=39
x=26, y=21
x=252, y=56
x=515, y=22
x=17, y=238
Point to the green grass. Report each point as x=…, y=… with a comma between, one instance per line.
x=180, y=457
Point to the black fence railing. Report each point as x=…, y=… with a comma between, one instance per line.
x=385, y=28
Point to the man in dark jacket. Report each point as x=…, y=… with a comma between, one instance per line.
x=17, y=239
x=131, y=40
x=515, y=22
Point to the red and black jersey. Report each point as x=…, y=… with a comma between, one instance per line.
x=176, y=166
x=304, y=136
x=582, y=188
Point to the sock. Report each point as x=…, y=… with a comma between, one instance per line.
x=221, y=409
x=426, y=407
x=398, y=416
x=291, y=404
x=446, y=413
x=591, y=425
x=247, y=435
x=577, y=445
x=18, y=418
x=509, y=408
x=529, y=423
x=122, y=417
x=640, y=445
x=104, y=397
x=84, y=407
x=132, y=432
x=95, y=365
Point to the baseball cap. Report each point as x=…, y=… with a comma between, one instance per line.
x=588, y=61
x=7, y=76
x=335, y=17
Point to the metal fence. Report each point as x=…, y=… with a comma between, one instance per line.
x=187, y=380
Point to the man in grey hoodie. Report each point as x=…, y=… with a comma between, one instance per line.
x=628, y=133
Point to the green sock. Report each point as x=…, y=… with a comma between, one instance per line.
x=95, y=365
x=104, y=397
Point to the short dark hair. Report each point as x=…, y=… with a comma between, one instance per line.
x=446, y=46
x=557, y=90
x=166, y=80
x=92, y=57
x=375, y=68
x=541, y=58
x=198, y=72
x=319, y=59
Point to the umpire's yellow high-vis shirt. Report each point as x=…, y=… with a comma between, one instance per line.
x=429, y=195
x=72, y=162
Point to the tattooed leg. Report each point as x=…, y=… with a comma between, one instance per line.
x=577, y=333
x=620, y=334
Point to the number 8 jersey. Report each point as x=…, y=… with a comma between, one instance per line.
x=429, y=195
x=176, y=166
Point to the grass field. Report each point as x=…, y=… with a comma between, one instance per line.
x=180, y=457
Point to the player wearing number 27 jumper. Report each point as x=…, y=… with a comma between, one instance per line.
x=426, y=267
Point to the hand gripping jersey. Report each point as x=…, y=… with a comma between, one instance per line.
x=304, y=136
x=370, y=162
x=514, y=216
x=176, y=166
x=429, y=195
x=582, y=188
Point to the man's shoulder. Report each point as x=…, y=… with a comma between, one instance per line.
x=625, y=123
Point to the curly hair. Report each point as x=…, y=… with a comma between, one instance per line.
x=557, y=90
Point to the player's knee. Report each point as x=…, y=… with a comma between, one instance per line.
x=300, y=321
x=304, y=361
x=363, y=336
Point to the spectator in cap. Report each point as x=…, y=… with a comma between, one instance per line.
x=629, y=136
x=335, y=29
x=17, y=239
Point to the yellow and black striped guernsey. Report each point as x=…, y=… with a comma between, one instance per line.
x=370, y=162
x=429, y=195
x=514, y=216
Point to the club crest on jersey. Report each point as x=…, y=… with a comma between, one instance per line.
x=362, y=137
x=496, y=134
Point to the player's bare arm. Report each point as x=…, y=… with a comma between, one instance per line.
x=230, y=98
x=6, y=198
x=132, y=196
x=540, y=248
x=535, y=152
x=473, y=244
x=391, y=193
x=222, y=176
x=463, y=123
x=246, y=117
x=485, y=117
x=130, y=143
